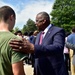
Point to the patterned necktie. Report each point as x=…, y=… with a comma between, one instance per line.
x=41, y=37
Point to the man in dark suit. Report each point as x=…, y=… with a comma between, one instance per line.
x=49, y=54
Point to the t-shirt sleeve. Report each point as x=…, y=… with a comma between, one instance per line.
x=17, y=56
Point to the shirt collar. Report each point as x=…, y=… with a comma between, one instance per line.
x=47, y=28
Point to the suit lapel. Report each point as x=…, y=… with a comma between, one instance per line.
x=48, y=34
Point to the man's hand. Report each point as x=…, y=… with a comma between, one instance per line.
x=22, y=45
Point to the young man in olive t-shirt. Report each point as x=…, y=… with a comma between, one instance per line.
x=10, y=61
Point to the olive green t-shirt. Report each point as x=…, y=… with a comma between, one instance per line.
x=7, y=55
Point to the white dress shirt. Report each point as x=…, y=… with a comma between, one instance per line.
x=46, y=29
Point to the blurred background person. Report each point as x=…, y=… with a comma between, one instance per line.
x=66, y=54
x=19, y=34
x=26, y=36
x=71, y=39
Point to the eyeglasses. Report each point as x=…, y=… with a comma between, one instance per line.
x=39, y=20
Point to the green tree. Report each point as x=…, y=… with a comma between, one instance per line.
x=30, y=26
x=15, y=29
x=63, y=14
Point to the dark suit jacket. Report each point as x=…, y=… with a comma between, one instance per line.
x=49, y=55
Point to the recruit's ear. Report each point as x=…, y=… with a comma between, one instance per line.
x=11, y=17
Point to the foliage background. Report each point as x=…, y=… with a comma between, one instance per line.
x=62, y=15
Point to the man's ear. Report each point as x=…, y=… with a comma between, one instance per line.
x=11, y=17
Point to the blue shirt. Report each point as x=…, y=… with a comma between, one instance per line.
x=71, y=38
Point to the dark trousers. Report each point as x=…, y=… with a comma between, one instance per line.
x=67, y=61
